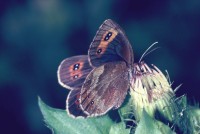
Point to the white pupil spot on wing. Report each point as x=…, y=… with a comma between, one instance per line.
x=76, y=76
x=76, y=66
x=107, y=37
x=99, y=51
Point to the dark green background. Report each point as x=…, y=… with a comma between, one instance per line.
x=36, y=35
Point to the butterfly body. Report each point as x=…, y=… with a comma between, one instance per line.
x=100, y=81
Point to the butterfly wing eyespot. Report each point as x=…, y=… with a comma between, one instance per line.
x=110, y=44
x=92, y=102
x=75, y=76
x=76, y=66
x=99, y=50
x=73, y=71
x=108, y=35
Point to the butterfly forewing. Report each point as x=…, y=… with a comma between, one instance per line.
x=73, y=71
x=104, y=88
x=110, y=44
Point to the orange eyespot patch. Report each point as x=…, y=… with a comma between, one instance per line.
x=75, y=70
x=106, y=39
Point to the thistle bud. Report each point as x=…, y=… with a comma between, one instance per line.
x=150, y=90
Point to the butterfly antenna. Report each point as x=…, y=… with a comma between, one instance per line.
x=148, y=52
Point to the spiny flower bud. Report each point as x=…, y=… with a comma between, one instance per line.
x=150, y=90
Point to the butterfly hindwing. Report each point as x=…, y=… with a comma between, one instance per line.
x=73, y=71
x=73, y=104
x=110, y=44
x=104, y=88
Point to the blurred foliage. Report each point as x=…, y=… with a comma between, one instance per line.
x=36, y=35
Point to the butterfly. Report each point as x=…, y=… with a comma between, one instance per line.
x=99, y=81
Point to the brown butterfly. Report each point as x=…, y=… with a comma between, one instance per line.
x=100, y=81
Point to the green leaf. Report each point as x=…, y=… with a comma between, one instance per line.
x=60, y=123
x=119, y=129
x=148, y=125
x=126, y=110
x=192, y=120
